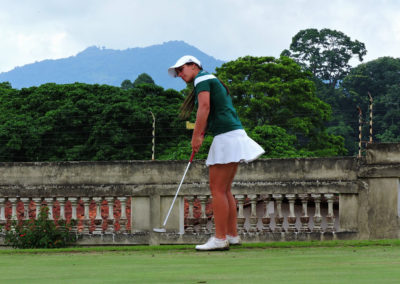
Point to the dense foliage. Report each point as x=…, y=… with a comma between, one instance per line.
x=274, y=97
x=276, y=102
x=301, y=104
x=87, y=122
x=327, y=54
x=40, y=233
x=284, y=106
x=380, y=78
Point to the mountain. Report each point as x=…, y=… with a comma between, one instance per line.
x=96, y=65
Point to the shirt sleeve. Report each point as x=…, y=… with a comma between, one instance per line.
x=203, y=86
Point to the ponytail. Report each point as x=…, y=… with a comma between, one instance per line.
x=187, y=106
x=226, y=87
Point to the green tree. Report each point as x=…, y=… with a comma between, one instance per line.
x=271, y=92
x=164, y=104
x=143, y=79
x=87, y=122
x=183, y=149
x=5, y=85
x=126, y=84
x=326, y=53
x=381, y=79
x=275, y=141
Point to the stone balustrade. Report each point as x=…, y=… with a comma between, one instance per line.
x=113, y=220
x=260, y=216
x=277, y=199
x=271, y=213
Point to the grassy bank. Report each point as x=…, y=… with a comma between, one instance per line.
x=322, y=262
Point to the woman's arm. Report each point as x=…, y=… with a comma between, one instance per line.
x=201, y=120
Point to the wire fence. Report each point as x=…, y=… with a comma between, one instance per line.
x=122, y=130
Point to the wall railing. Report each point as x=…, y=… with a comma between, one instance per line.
x=279, y=199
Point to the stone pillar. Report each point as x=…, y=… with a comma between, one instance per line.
x=38, y=204
x=330, y=217
x=13, y=201
x=110, y=223
x=25, y=201
x=155, y=218
x=304, y=219
x=292, y=216
x=74, y=203
x=253, y=213
x=181, y=206
x=278, y=215
x=61, y=201
x=210, y=201
x=190, y=219
x=266, y=219
x=123, y=220
x=378, y=204
x=317, y=214
x=203, y=217
x=382, y=215
x=86, y=217
x=240, y=217
x=2, y=213
x=49, y=202
x=348, y=212
x=97, y=218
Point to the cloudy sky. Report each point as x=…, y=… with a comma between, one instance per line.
x=33, y=30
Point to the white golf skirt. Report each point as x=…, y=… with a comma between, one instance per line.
x=233, y=146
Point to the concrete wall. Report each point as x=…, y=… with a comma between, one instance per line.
x=166, y=172
x=368, y=188
x=379, y=201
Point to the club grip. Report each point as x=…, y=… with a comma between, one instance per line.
x=191, y=157
x=193, y=153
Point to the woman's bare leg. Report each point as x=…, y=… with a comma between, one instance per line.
x=224, y=206
x=232, y=218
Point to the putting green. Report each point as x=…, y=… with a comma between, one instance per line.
x=344, y=264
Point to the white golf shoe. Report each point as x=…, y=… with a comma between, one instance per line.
x=214, y=244
x=234, y=240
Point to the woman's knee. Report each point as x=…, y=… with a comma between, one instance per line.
x=218, y=192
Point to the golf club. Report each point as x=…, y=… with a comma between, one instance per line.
x=163, y=230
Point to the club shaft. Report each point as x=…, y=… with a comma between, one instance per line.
x=176, y=195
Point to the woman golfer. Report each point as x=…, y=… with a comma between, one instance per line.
x=231, y=145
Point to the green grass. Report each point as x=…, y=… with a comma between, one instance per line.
x=285, y=262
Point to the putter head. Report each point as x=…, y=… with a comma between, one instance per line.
x=159, y=230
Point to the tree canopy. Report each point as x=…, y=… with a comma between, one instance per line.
x=275, y=99
x=381, y=79
x=126, y=84
x=301, y=104
x=326, y=53
x=143, y=78
x=87, y=122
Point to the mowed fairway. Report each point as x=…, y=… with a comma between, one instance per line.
x=340, y=264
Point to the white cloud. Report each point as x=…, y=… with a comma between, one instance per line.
x=21, y=48
x=225, y=29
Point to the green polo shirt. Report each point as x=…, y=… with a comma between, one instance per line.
x=222, y=117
